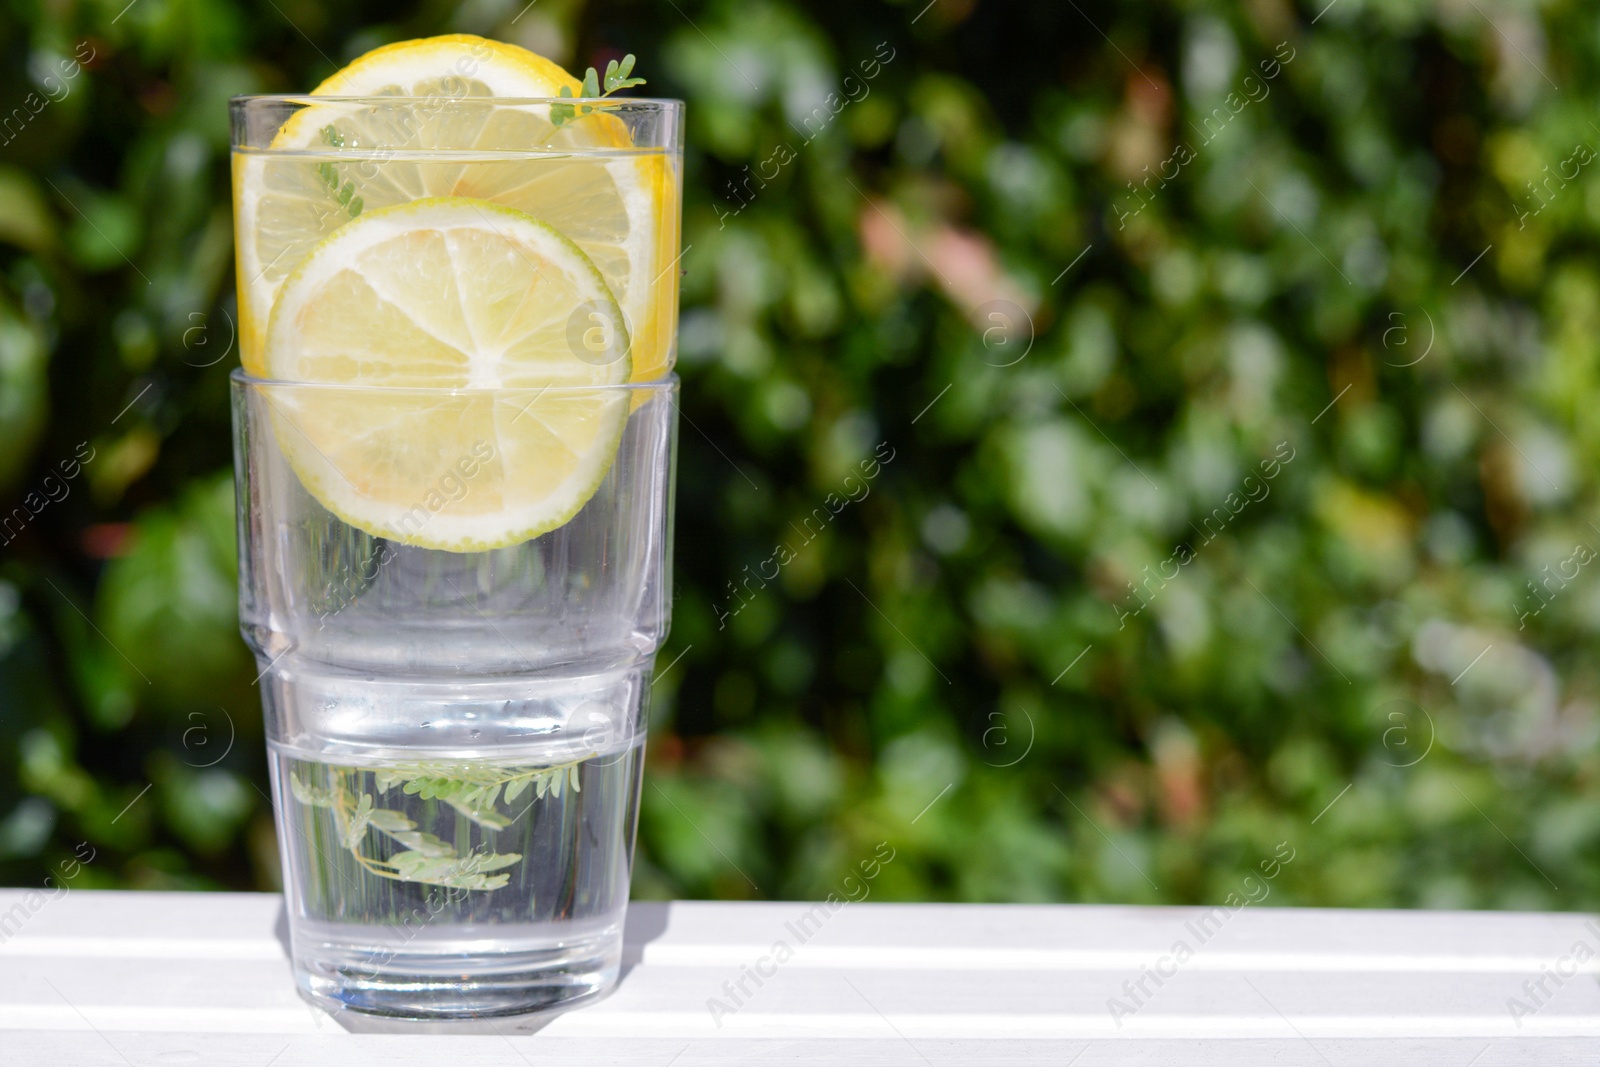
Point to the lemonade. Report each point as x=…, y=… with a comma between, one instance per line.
x=455, y=421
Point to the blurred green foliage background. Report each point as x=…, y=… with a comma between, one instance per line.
x=1087, y=273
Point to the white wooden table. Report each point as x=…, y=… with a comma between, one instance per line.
x=166, y=978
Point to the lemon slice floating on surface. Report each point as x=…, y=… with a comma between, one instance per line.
x=405, y=304
x=333, y=161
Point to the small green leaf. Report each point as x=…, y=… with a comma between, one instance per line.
x=355, y=207
x=482, y=816
x=469, y=872
x=360, y=819
x=591, y=83
x=617, y=76
x=560, y=114
x=471, y=881
x=434, y=788
x=423, y=843
x=516, y=788
x=491, y=861
x=418, y=866
x=310, y=794
x=391, y=821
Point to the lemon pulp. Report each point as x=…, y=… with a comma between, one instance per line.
x=444, y=403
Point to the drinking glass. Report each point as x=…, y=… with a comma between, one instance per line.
x=455, y=735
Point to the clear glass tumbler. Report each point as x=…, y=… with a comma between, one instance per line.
x=455, y=714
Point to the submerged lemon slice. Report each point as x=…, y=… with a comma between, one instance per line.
x=447, y=294
x=333, y=161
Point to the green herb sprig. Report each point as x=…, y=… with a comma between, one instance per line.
x=471, y=789
x=617, y=76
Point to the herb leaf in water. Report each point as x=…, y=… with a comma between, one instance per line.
x=471, y=789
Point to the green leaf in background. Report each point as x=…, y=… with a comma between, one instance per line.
x=25, y=220
x=170, y=603
x=1080, y=269
x=206, y=807
x=24, y=391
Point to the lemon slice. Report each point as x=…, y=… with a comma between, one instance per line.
x=333, y=161
x=448, y=400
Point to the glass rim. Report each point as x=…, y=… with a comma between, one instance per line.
x=661, y=103
x=243, y=379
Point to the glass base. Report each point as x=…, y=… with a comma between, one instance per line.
x=430, y=987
